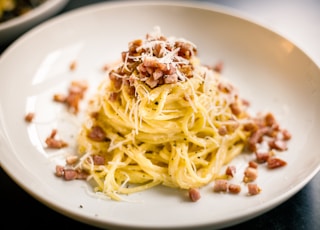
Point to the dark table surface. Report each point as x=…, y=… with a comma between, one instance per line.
x=302, y=211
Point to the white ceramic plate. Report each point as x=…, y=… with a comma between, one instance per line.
x=11, y=29
x=269, y=70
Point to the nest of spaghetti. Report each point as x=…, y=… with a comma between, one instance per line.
x=162, y=118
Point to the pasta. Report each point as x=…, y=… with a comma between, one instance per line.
x=158, y=131
x=161, y=118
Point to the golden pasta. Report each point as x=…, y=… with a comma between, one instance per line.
x=161, y=118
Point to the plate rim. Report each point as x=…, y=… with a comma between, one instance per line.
x=36, y=12
x=14, y=27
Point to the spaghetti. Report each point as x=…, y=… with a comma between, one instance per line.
x=161, y=118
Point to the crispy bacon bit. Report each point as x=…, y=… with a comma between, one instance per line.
x=75, y=95
x=253, y=164
x=157, y=73
x=278, y=145
x=253, y=189
x=117, y=82
x=29, y=117
x=73, y=65
x=70, y=174
x=218, y=67
x=231, y=170
x=194, y=194
x=59, y=170
x=71, y=159
x=245, y=102
x=98, y=160
x=113, y=96
x=145, y=60
x=97, y=134
x=54, y=143
x=255, y=138
x=60, y=98
x=235, y=109
x=250, y=127
x=270, y=120
x=220, y=185
x=133, y=45
x=267, y=130
x=94, y=115
x=234, y=188
x=286, y=135
x=223, y=130
x=250, y=174
x=186, y=49
x=263, y=156
x=275, y=162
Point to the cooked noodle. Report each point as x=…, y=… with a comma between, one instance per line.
x=161, y=118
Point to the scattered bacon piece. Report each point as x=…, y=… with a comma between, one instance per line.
x=270, y=120
x=70, y=174
x=234, y=188
x=54, y=143
x=220, y=185
x=98, y=160
x=218, y=67
x=250, y=174
x=223, y=130
x=225, y=87
x=117, y=82
x=253, y=189
x=286, y=135
x=267, y=130
x=275, y=162
x=94, y=115
x=251, y=127
x=97, y=134
x=75, y=95
x=263, y=156
x=73, y=65
x=255, y=138
x=29, y=117
x=235, y=109
x=113, y=96
x=59, y=170
x=71, y=159
x=253, y=164
x=245, y=102
x=194, y=194
x=157, y=73
x=231, y=170
x=152, y=71
x=59, y=98
x=278, y=145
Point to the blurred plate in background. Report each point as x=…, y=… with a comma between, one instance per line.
x=12, y=28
